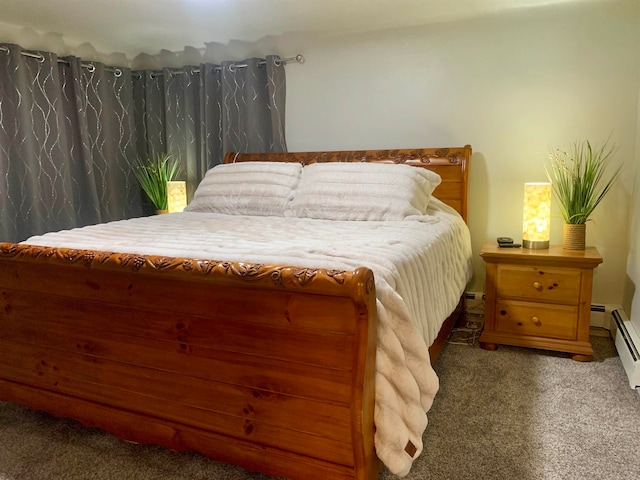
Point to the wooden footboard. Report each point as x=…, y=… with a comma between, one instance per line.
x=268, y=367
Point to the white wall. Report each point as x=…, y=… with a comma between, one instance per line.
x=511, y=85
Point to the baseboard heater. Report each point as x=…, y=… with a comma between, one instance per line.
x=628, y=345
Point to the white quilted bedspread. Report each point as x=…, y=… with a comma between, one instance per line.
x=421, y=269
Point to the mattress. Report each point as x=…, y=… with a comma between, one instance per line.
x=421, y=267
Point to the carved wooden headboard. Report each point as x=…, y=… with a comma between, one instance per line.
x=452, y=164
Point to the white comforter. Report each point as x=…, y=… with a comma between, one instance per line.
x=420, y=267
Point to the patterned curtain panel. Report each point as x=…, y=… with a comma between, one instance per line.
x=197, y=114
x=253, y=106
x=71, y=132
x=67, y=144
x=172, y=116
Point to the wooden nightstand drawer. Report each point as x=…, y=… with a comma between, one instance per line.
x=540, y=320
x=539, y=298
x=561, y=285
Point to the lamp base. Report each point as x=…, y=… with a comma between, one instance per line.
x=535, y=244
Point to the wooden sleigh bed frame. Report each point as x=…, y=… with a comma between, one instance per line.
x=174, y=351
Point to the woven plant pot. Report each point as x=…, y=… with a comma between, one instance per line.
x=573, y=236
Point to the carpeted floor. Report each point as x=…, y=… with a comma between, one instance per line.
x=525, y=414
x=509, y=414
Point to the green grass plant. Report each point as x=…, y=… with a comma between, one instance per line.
x=153, y=176
x=580, y=178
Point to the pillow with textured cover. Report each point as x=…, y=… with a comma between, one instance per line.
x=363, y=191
x=247, y=188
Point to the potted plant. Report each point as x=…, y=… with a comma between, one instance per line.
x=153, y=176
x=580, y=178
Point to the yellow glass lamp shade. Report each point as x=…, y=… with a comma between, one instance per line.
x=536, y=222
x=176, y=196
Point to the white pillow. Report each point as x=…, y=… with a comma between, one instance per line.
x=362, y=191
x=247, y=188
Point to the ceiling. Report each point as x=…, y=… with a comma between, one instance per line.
x=135, y=26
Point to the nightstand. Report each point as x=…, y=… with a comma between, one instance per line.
x=539, y=298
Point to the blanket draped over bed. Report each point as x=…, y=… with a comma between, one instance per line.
x=409, y=260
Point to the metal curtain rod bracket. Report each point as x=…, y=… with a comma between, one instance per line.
x=298, y=59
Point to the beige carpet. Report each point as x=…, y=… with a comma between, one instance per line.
x=510, y=414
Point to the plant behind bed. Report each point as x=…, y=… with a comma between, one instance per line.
x=153, y=176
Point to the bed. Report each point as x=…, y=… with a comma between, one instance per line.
x=268, y=365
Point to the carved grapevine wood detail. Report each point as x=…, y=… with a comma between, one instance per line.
x=275, y=275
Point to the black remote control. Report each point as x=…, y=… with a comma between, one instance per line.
x=507, y=242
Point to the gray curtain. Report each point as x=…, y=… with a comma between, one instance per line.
x=71, y=132
x=197, y=114
x=67, y=144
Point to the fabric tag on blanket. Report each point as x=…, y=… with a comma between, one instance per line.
x=410, y=449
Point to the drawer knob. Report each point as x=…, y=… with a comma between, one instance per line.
x=536, y=321
x=537, y=285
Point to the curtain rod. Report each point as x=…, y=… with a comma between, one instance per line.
x=277, y=62
x=118, y=72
